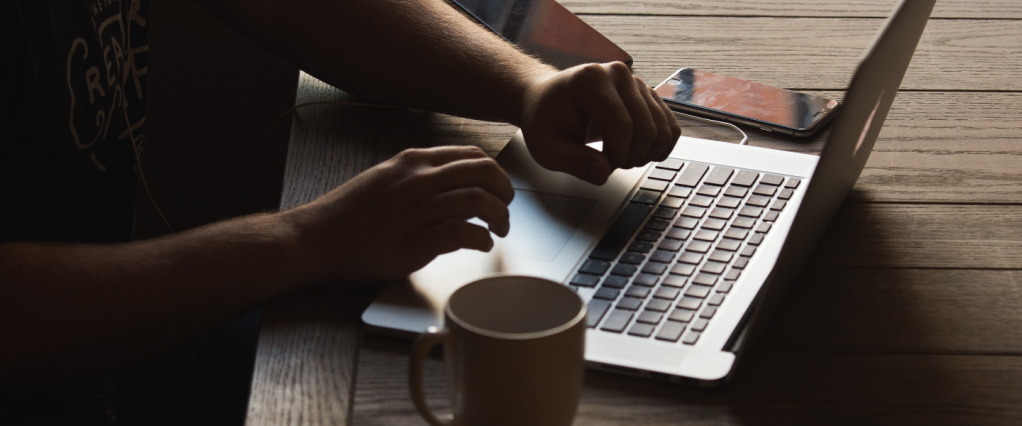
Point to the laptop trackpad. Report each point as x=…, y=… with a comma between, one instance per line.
x=543, y=223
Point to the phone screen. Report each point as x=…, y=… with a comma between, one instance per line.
x=742, y=98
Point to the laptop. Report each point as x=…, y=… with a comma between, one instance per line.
x=681, y=262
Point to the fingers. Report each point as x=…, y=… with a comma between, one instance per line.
x=465, y=173
x=575, y=159
x=466, y=203
x=439, y=156
x=450, y=236
x=667, y=129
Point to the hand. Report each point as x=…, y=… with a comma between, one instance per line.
x=599, y=101
x=395, y=218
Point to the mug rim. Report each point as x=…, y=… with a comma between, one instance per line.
x=519, y=336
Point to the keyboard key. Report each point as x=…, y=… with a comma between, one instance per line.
x=671, y=331
x=662, y=174
x=682, y=315
x=741, y=263
x=669, y=293
x=656, y=268
x=729, y=244
x=732, y=274
x=683, y=269
x=584, y=280
x=613, y=281
x=713, y=267
x=719, y=175
x=725, y=286
x=662, y=256
x=745, y=178
x=596, y=310
x=692, y=174
x=716, y=299
x=708, y=190
x=665, y=212
x=680, y=192
x=774, y=180
x=699, y=291
x=677, y=280
x=699, y=324
x=632, y=258
x=770, y=217
x=658, y=305
x=778, y=205
x=639, y=247
x=758, y=201
x=641, y=330
x=743, y=222
x=689, y=303
x=748, y=251
x=691, y=338
x=646, y=197
x=616, y=321
x=671, y=163
x=736, y=191
x=673, y=202
x=714, y=224
x=722, y=213
x=629, y=303
x=750, y=211
x=756, y=239
x=679, y=234
x=658, y=224
x=785, y=193
x=706, y=235
x=646, y=279
x=624, y=270
x=686, y=222
x=705, y=279
x=763, y=228
x=720, y=256
x=693, y=211
x=637, y=291
x=650, y=317
x=793, y=183
x=621, y=231
x=670, y=244
x=764, y=190
x=699, y=246
x=729, y=202
x=736, y=233
x=650, y=235
x=701, y=201
x=690, y=257
x=708, y=312
x=606, y=293
x=654, y=185
x=595, y=267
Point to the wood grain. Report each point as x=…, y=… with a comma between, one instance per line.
x=772, y=388
x=821, y=54
x=990, y=9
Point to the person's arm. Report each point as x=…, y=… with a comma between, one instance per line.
x=70, y=310
x=425, y=54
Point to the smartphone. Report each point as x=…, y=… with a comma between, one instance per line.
x=545, y=29
x=738, y=101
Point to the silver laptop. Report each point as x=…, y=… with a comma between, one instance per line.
x=681, y=262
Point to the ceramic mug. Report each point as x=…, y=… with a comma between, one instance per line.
x=514, y=350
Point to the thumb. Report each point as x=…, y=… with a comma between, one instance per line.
x=573, y=158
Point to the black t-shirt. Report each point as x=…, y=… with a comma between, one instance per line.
x=72, y=75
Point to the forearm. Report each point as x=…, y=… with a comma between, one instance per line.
x=418, y=53
x=68, y=310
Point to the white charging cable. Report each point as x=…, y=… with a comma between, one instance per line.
x=745, y=137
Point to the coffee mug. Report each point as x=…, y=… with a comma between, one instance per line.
x=514, y=350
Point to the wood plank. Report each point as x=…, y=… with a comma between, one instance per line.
x=771, y=388
x=308, y=342
x=993, y=9
x=907, y=311
x=952, y=54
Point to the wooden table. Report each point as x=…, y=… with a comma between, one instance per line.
x=910, y=311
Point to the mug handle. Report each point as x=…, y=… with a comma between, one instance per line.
x=423, y=344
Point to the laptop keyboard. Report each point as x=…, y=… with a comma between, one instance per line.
x=671, y=257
